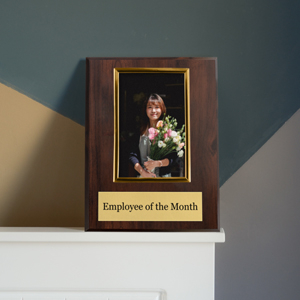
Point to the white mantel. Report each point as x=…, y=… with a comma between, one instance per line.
x=36, y=262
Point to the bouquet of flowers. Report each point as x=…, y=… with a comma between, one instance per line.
x=166, y=139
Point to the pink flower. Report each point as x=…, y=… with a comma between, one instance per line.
x=165, y=135
x=151, y=137
x=181, y=145
x=152, y=130
x=159, y=124
x=169, y=132
x=152, y=133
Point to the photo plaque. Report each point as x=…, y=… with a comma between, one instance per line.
x=151, y=144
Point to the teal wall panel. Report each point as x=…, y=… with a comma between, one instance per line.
x=44, y=44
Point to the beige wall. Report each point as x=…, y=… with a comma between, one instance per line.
x=41, y=163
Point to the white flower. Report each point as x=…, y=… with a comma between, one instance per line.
x=180, y=153
x=176, y=139
x=161, y=144
x=173, y=134
x=164, y=145
x=178, y=148
x=167, y=139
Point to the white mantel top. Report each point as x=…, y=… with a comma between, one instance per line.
x=54, y=263
x=78, y=235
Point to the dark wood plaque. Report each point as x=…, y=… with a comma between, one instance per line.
x=114, y=87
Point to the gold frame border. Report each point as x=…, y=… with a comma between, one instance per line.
x=186, y=72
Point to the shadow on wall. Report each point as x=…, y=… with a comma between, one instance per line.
x=43, y=159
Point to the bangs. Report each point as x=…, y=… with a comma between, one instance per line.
x=155, y=102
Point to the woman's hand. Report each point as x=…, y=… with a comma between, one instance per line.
x=147, y=174
x=151, y=164
x=143, y=173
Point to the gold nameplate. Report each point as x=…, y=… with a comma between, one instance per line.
x=146, y=206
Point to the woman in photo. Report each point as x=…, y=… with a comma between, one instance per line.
x=153, y=110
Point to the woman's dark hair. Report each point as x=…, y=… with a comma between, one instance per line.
x=145, y=122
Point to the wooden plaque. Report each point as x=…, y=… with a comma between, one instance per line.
x=115, y=198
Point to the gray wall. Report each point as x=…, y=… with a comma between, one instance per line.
x=260, y=214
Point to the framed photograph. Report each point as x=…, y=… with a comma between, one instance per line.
x=130, y=114
x=151, y=144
